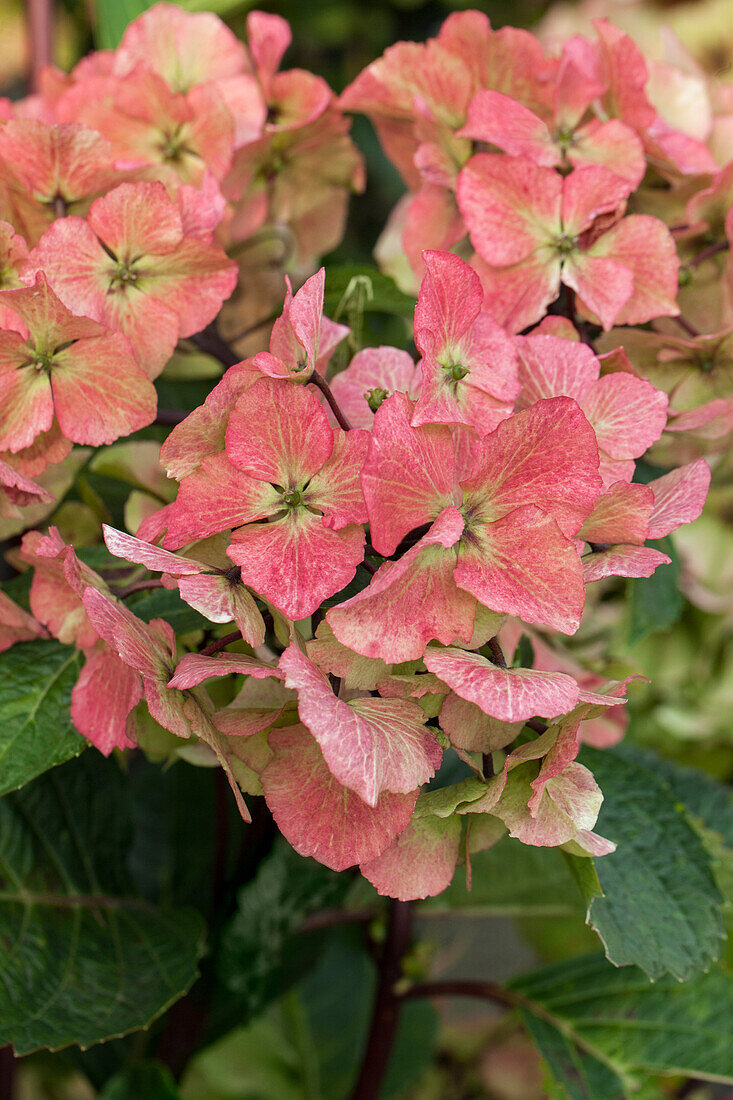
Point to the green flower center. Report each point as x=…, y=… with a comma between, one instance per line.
x=566, y=244
x=292, y=498
x=375, y=397
x=455, y=371
x=707, y=365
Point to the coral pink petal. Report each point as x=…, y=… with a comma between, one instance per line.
x=221, y=600
x=135, y=550
x=511, y=206
x=370, y=745
x=620, y=515
x=289, y=444
x=194, y=668
x=509, y=694
x=410, y=601
x=102, y=698
x=550, y=366
x=523, y=565
x=320, y=817
x=502, y=121
x=628, y=414
x=622, y=561
x=296, y=563
x=421, y=861
x=408, y=473
x=679, y=497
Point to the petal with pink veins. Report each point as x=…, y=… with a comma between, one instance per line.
x=604, y=285
x=102, y=698
x=386, y=369
x=628, y=414
x=194, y=668
x=679, y=497
x=216, y=497
x=620, y=515
x=410, y=601
x=550, y=366
x=286, y=447
x=370, y=745
x=408, y=474
x=502, y=121
x=622, y=561
x=221, y=599
x=509, y=694
x=295, y=562
x=511, y=206
x=523, y=565
x=546, y=456
x=336, y=488
x=420, y=862
x=320, y=817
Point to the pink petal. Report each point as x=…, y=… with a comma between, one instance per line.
x=317, y=815
x=646, y=247
x=510, y=694
x=468, y=727
x=570, y=803
x=295, y=562
x=194, y=668
x=286, y=447
x=545, y=456
x=384, y=368
x=623, y=561
x=587, y=193
x=620, y=515
x=100, y=393
x=16, y=625
x=144, y=553
x=222, y=599
x=550, y=366
x=148, y=648
x=370, y=745
x=511, y=206
x=679, y=497
x=102, y=698
x=611, y=145
x=410, y=601
x=408, y=474
x=502, y=121
x=216, y=497
x=523, y=565
x=420, y=862
x=449, y=301
x=331, y=656
x=517, y=296
x=628, y=414
x=603, y=285
x=336, y=488
x=136, y=219
x=203, y=430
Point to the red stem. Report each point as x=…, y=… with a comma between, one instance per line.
x=386, y=1004
x=487, y=991
x=138, y=586
x=319, y=381
x=220, y=643
x=40, y=38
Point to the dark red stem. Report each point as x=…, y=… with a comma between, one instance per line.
x=689, y=329
x=220, y=643
x=711, y=250
x=487, y=991
x=138, y=586
x=168, y=418
x=319, y=381
x=210, y=342
x=40, y=37
x=386, y=1004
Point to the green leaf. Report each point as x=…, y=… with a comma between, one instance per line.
x=661, y=909
x=145, y=1081
x=163, y=603
x=580, y=1074
x=629, y=1024
x=112, y=19
x=655, y=602
x=385, y=296
x=513, y=879
x=309, y=1045
x=83, y=957
x=259, y=957
x=36, y=732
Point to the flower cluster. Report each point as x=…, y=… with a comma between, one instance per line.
x=401, y=550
